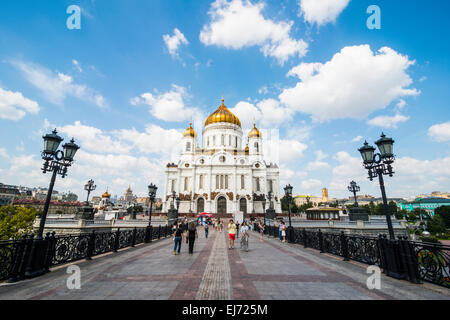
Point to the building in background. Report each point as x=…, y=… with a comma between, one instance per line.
x=428, y=204
x=224, y=174
x=8, y=194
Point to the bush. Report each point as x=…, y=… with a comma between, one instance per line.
x=15, y=221
x=430, y=239
x=444, y=212
x=436, y=225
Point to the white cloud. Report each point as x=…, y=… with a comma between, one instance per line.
x=14, y=106
x=401, y=104
x=77, y=65
x=268, y=112
x=239, y=23
x=353, y=84
x=387, y=121
x=3, y=153
x=317, y=165
x=174, y=42
x=321, y=155
x=356, y=139
x=168, y=106
x=310, y=184
x=291, y=150
x=56, y=87
x=440, y=132
x=322, y=11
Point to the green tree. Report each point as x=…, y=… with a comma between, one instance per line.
x=15, y=221
x=371, y=208
x=400, y=214
x=444, y=212
x=436, y=225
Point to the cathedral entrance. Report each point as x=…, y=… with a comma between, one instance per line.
x=200, y=205
x=243, y=205
x=221, y=205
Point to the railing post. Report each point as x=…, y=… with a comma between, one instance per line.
x=320, y=235
x=18, y=258
x=117, y=240
x=133, y=238
x=344, y=246
x=410, y=260
x=305, y=240
x=50, y=252
x=159, y=232
x=290, y=234
x=91, y=245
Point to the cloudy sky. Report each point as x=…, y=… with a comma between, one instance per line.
x=311, y=73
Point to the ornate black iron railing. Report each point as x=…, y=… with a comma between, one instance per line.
x=18, y=257
x=402, y=259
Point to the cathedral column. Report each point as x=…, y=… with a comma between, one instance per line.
x=236, y=208
x=209, y=201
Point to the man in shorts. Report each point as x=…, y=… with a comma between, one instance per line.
x=231, y=234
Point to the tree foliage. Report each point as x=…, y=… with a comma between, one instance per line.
x=15, y=221
x=444, y=212
x=436, y=225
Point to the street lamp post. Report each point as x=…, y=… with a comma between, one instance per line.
x=264, y=208
x=152, y=194
x=57, y=162
x=354, y=188
x=379, y=164
x=89, y=186
x=288, y=195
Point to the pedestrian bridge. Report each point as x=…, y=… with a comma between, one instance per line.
x=270, y=270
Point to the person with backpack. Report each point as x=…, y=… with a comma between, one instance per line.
x=206, y=230
x=178, y=239
x=192, y=235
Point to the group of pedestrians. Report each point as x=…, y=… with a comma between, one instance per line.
x=282, y=231
x=233, y=232
x=184, y=230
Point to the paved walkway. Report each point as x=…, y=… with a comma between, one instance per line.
x=270, y=270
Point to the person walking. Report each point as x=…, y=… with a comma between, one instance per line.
x=283, y=231
x=245, y=234
x=261, y=231
x=237, y=229
x=280, y=225
x=231, y=234
x=221, y=226
x=206, y=230
x=178, y=239
x=192, y=235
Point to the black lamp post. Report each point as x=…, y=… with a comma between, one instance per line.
x=354, y=188
x=264, y=208
x=288, y=194
x=89, y=186
x=379, y=164
x=57, y=162
x=149, y=230
x=152, y=194
x=178, y=203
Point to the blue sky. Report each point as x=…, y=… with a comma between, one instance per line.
x=127, y=83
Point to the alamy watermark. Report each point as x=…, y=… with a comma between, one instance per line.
x=74, y=20
x=74, y=280
x=374, y=280
x=374, y=20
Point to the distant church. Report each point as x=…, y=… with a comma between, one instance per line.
x=222, y=176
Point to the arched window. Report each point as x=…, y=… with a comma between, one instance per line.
x=229, y=140
x=208, y=142
x=188, y=146
x=226, y=182
x=223, y=140
x=186, y=183
x=214, y=140
x=242, y=181
x=256, y=147
x=235, y=143
x=217, y=181
x=200, y=182
x=221, y=182
x=271, y=185
x=257, y=185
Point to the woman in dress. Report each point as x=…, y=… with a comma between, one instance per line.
x=192, y=234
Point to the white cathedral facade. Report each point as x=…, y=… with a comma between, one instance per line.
x=222, y=177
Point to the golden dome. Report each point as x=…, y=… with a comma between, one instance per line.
x=190, y=132
x=222, y=115
x=106, y=194
x=254, y=133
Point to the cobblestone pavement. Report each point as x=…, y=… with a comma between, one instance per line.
x=269, y=270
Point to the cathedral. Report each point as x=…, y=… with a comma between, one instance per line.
x=222, y=176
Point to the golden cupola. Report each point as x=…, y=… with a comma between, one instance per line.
x=222, y=114
x=106, y=194
x=254, y=133
x=190, y=132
